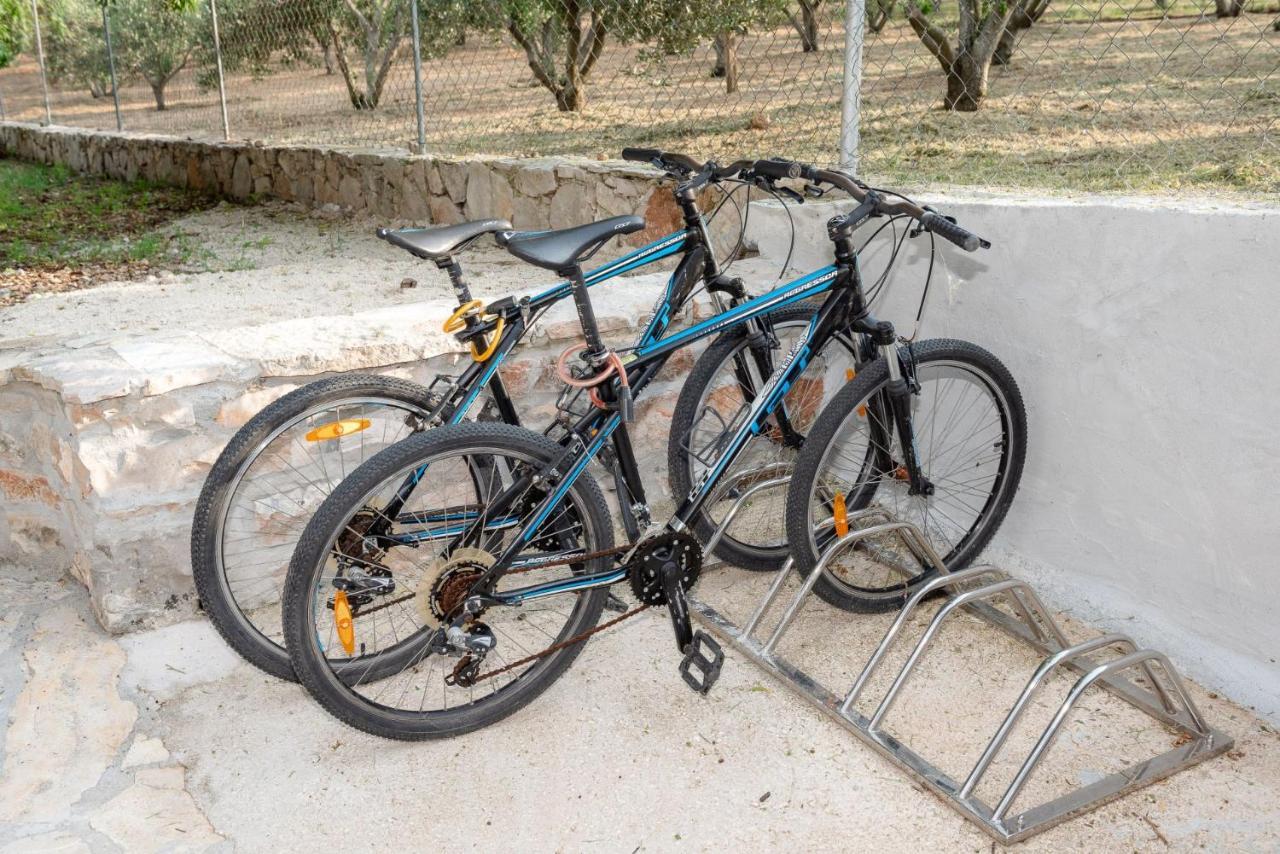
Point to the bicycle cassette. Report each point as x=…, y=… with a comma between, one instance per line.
x=644, y=571
x=445, y=584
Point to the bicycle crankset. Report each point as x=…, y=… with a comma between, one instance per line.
x=647, y=566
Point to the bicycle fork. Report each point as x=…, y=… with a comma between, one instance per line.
x=899, y=393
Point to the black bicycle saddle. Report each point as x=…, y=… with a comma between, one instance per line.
x=563, y=248
x=436, y=243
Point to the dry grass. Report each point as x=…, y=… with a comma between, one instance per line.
x=1098, y=97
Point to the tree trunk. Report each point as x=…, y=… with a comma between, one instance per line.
x=1022, y=19
x=157, y=90
x=878, y=15
x=806, y=26
x=582, y=50
x=727, y=59
x=966, y=84
x=1229, y=8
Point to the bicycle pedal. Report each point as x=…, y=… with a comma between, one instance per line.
x=614, y=604
x=704, y=655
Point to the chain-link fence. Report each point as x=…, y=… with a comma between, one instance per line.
x=1076, y=94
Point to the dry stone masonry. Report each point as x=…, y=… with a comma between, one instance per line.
x=538, y=193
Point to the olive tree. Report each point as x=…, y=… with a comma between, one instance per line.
x=13, y=30
x=806, y=24
x=1023, y=17
x=878, y=12
x=365, y=36
x=75, y=52
x=677, y=26
x=155, y=41
x=966, y=61
x=562, y=41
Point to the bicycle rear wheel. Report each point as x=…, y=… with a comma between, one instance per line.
x=383, y=677
x=266, y=484
x=721, y=385
x=970, y=431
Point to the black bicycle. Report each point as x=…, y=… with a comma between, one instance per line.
x=453, y=577
x=283, y=463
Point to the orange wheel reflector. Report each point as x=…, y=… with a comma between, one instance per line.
x=841, y=515
x=862, y=411
x=338, y=429
x=342, y=619
x=901, y=473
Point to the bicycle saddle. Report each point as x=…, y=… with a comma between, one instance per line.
x=563, y=248
x=436, y=243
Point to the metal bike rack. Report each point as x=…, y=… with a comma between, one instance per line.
x=972, y=591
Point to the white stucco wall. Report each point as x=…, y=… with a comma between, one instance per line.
x=1146, y=339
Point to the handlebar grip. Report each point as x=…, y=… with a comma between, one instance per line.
x=777, y=168
x=948, y=230
x=381, y=233
x=641, y=155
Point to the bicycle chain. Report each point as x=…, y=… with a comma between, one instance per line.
x=564, y=644
x=465, y=661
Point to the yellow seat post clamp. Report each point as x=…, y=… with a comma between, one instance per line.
x=458, y=320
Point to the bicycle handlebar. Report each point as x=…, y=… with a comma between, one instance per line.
x=931, y=221
x=666, y=161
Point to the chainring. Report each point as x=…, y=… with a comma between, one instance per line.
x=644, y=570
x=446, y=583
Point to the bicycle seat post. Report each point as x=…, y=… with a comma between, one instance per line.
x=454, y=269
x=586, y=314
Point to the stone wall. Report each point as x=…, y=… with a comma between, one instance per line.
x=537, y=193
x=104, y=446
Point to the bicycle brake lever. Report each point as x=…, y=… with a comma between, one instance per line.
x=813, y=191
x=790, y=194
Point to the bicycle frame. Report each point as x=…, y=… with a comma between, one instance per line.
x=844, y=308
x=479, y=375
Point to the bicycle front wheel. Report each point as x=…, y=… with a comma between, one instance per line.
x=360, y=616
x=970, y=434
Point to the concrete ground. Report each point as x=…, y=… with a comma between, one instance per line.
x=163, y=740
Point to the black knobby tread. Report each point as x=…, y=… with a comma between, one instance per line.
x=259, y=651
x=311, y=669
x=704, y=371
x=797, y=511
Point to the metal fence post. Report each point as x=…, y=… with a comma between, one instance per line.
x=417, y=78
x=222, y=86
x=851, y=101
x=44, y=81
x=111, y=63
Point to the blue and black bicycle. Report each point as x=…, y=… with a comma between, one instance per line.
x=454, y=576
x=286, y=460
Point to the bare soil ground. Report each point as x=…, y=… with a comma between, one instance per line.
x=1099, y=96
x=63, y=232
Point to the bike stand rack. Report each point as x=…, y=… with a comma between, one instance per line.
x=972, y=591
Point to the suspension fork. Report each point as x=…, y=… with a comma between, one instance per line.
x=898, y=393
